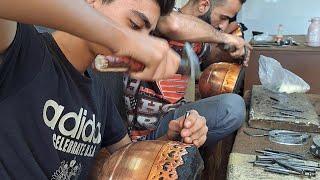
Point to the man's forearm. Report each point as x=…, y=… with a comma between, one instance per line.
x=178, y=26
x=75, y=17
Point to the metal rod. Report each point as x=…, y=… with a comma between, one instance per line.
x=286, y=109
x=291, y=154
x=270, y=158
x=278, y=171
x=267, y=153
x=290, y=167
x=254, y=135
x=185, y=117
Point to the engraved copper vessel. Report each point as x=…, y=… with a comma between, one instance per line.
x=152, y=160
x=220, y=78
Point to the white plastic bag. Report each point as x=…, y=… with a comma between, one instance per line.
x=277, y=79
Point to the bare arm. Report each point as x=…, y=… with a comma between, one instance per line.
x=78, y=18
x=124, y=141
x=7, y=33
x=178, y=26
x=63, y=15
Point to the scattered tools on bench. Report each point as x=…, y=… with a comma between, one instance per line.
x=280, y=170
x=285, y=153
x=284, y=114
x=286, y=109
x=282, y=136
x=281, y=111
x=269, y=152
x=286, y=163
x=293, y=112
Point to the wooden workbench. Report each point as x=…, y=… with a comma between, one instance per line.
x=244, y=151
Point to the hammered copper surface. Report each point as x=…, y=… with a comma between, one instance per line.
x=132, y=162
x=145, y=160
x=219, y=78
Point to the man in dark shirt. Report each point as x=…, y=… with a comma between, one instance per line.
x=55, y=116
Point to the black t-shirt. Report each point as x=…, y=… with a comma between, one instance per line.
x=53, y=119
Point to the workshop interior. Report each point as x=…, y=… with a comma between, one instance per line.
x=160, y=89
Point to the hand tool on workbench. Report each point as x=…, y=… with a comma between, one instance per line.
x=280, y=171
x=283, y=136
x=269, y=152
x=283, y=162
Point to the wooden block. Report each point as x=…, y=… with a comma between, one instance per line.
x=262, y=107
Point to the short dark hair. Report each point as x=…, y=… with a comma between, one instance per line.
x=222, y=1
x=166, y=6
x=243, y=1
x=207, y=16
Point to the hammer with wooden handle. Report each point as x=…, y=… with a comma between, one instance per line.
x=189, y=61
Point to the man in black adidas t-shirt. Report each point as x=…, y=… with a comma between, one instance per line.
x=54, y=114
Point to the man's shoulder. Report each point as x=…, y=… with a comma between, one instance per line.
x=26, y=37
x=23, y=60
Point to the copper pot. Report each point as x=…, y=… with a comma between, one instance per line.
x=223, y=77
x=220, y=78
x=152, y=160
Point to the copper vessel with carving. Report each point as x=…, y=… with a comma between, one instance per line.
x=152, y=160
x=220, y=78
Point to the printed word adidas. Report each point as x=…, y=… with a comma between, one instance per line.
x=81, y=125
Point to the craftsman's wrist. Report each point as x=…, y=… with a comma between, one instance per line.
x=227, y=38
x=216, y=36
x=120, y=41
x=164, y=138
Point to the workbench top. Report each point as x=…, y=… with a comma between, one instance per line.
x=245, y=146
x=301, y=39
x=240, y=169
